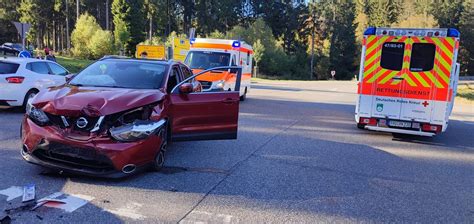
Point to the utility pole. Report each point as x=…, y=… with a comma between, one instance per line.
x=77, y=10
x=68, y=42
x=107, y=14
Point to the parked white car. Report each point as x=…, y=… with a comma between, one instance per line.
x=22, y=78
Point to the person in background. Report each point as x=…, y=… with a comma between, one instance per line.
x=49, y=56
x=144, y=55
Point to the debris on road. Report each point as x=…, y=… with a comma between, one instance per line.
x=29, y=193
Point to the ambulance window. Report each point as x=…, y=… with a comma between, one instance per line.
x=233, y=63
x=392, y=56
x=422, y=57
x=248, y=57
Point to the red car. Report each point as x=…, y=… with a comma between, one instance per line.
x=118, y=115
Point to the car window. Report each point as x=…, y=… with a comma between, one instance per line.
x=8, y=68
x=120, y=73
x=392, y=56
x=186, y=72
x=173, y=79
x=57, y=70
x=422, y=57
x=39, y=67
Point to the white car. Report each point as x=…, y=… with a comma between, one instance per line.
x=22, y=78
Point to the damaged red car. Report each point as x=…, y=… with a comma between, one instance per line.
x=118, y=115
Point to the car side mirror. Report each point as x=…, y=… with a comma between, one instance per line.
x=69, y=77
x=186, y=88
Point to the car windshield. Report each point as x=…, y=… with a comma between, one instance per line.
x=122, y=74
x=8, y=68
x=207, y=59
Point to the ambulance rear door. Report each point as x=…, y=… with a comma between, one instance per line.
x=382, y=71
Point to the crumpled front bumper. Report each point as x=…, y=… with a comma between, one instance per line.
x=53, y=148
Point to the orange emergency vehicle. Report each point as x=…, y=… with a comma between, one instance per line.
x=210, y=53
x=407, y=80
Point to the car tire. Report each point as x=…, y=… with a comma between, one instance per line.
x=29, y=96
x=244, y=97
x=159, y=160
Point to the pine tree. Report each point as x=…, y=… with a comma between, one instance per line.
x=120, y=11
x=343, y=50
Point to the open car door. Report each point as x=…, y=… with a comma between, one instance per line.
x=204, y=114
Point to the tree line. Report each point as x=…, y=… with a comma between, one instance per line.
x=294, y=39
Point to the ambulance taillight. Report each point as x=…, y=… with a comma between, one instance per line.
x=431, y=128
x=368, y=121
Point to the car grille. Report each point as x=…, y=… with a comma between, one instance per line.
x=206, y=84
x=75, y=157
x=72, y=121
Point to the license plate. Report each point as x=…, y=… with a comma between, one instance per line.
x=400, y=124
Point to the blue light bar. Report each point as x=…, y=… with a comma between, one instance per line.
x=370, y=31
x=453, y=32
x=236, y=43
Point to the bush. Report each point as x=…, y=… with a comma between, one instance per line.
x=101, y=44
x=86, y=27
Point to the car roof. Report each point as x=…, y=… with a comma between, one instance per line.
x=22, y=60
x=157, y=61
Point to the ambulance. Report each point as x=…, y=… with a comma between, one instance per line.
x=210, y=53
x=407, y=80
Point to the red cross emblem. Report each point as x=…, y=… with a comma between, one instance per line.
x=425, y=104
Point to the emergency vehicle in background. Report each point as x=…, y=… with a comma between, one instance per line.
x=210, y=53
x=407, y=80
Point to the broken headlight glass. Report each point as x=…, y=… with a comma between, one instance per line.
x=137, y=130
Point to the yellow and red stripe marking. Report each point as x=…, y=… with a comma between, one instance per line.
x=377, y=77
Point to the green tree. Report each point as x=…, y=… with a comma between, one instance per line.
x=448, y=13
x=86, y=28
x=466, y=55
x=120, y=11
x=137, y=20
x=102, y=43
x=258, y=51
x=343, y=51
x=216, y=35
x=381, y=13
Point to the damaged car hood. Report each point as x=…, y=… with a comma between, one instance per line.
x=93, y=101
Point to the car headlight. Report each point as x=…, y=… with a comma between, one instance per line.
x=219, y=84
x=137, y=130
x=37, y=116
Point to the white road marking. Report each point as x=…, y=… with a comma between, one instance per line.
x=72, y=202
x=207, y=217
x=12, y=192
x=130, y=211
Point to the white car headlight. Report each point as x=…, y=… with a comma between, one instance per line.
x=218, y=85
x=137, y=130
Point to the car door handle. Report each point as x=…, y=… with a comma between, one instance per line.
x=397, y=78
x=229, y=101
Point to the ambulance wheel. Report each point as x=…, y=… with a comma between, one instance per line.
x=159, y=160
x=360, y=126
x=243, y=97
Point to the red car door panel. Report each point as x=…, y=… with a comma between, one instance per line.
x=204, y=115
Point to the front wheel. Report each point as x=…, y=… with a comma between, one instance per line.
x=159, y=160
x=28, y=98
x=244, y=97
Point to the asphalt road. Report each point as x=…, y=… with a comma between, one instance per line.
x=298, y=158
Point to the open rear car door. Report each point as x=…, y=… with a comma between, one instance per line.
x=204, y=115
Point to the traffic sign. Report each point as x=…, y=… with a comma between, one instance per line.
x=24, y=54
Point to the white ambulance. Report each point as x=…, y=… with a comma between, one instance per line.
x=210, y=53
x=407, y=80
